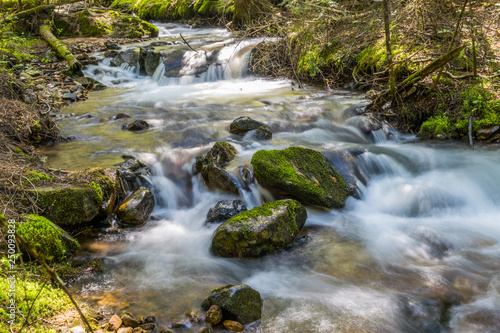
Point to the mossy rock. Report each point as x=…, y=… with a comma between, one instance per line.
x=242, y=125
x=101, y=23
x=302, y=174
x=261, y=230
x=237, y=302
x=137, y=207
x=211, y=166
x=47, y=238
x=69, y=206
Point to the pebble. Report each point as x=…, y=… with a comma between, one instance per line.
x=115, y=322
x=77, y=329
x=233, y=326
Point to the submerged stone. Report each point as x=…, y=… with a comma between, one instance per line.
x=302, y=174
x=261, y=230
x=237, y=302
x=137, y=125
x=224, y=210
x=137, y=207
x=244, y=124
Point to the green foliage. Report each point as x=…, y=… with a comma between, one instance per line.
x=435, y=126
x=50, y=302
x=35, y=178
x=13, y=44
x=47, y=239
x=98, y=191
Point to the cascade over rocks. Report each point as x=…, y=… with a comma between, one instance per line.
x=237, y=302
x=261, y=230
x=137, y=207
x=225, y=209
x=211, y=167
x=302, y=174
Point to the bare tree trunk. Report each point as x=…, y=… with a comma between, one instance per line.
x=473, y=33
x=451, y=43
x=60, y=48
x=387, y=23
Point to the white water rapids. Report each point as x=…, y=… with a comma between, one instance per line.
x=426, y=225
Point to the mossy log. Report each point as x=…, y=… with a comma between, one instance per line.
x=416, y=77
x=43, y=9
x=61, y=48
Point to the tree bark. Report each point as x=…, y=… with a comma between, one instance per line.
x=62, y=49
x=44, y=9
x=390, y=65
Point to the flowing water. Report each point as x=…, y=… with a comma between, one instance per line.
x=418, y=251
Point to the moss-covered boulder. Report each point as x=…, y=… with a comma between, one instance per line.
x=261, y=230
x=137, y=207
x=47, y=238
x=211, y=167
x=101, y=23
x=69, y=205
x=237, y=302
x=302, y=174
x=242, y=125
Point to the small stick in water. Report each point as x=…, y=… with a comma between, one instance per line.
x=185, y=41
x=470, y=133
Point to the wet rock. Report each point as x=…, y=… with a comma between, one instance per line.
x=213, y=315
x=137, y=207
x=206, y=329
x=149, y=59
x=224, y=210
x=243, y=125
x=138, y=125
x=148, y=326
x=166, y=330
x=150, y=319
x=130, y=57
x=439, y=247
x=115, y=322
x=82, y=56
x=129, y=320
x=131, y=164
x=179, y=324
x=263, y=133
x=110, y=54
x=302, y=174
x=121, y=116
x=211, y=166
x=233, y=326
x=138, y=330
x=112, y=46
x=484, y=134
x=192, y=317
x=125, y=330
x=261, y=230
x=365, y=124
x=237, y=302
x=69, y=97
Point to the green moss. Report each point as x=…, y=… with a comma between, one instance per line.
x=435, y=126
x=98, y=191
x=93, y=27
x=264, y=210
x=47, y=239
x=49, y=302
x=302, y=174
x=34, y=178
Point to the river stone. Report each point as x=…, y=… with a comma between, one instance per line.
x=214, y=315
x=365, y=124
x=302, y=174
x=263, y=133
x=112, y=46
x=149, y=60
x=137, y=207
x=211, y=166
x=484, y=134
x=224, y=210
x=233, y=326
x=125, y=330
x=129, y=320
x=261, y=230
x=68, y=206
x=77, y=329
x=115, y=322
x=237, y=302
x=243, y=125
x=137, y=125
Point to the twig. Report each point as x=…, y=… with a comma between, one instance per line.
x=185, y=41
x=31, y=307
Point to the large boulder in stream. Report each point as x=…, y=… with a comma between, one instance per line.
x=261, y=230
x=237, y=302
x=137, y=207
x=211, y=167
x=302, y=174
x=101, y=23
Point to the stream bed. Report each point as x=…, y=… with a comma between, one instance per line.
x=418, y=251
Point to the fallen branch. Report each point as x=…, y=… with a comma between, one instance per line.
x=185, y=41
x=467, y=75
x=61, y=48
x=416, y=77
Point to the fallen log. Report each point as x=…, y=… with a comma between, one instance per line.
x=60, y=48
x=416, y=77
x=43, y=9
